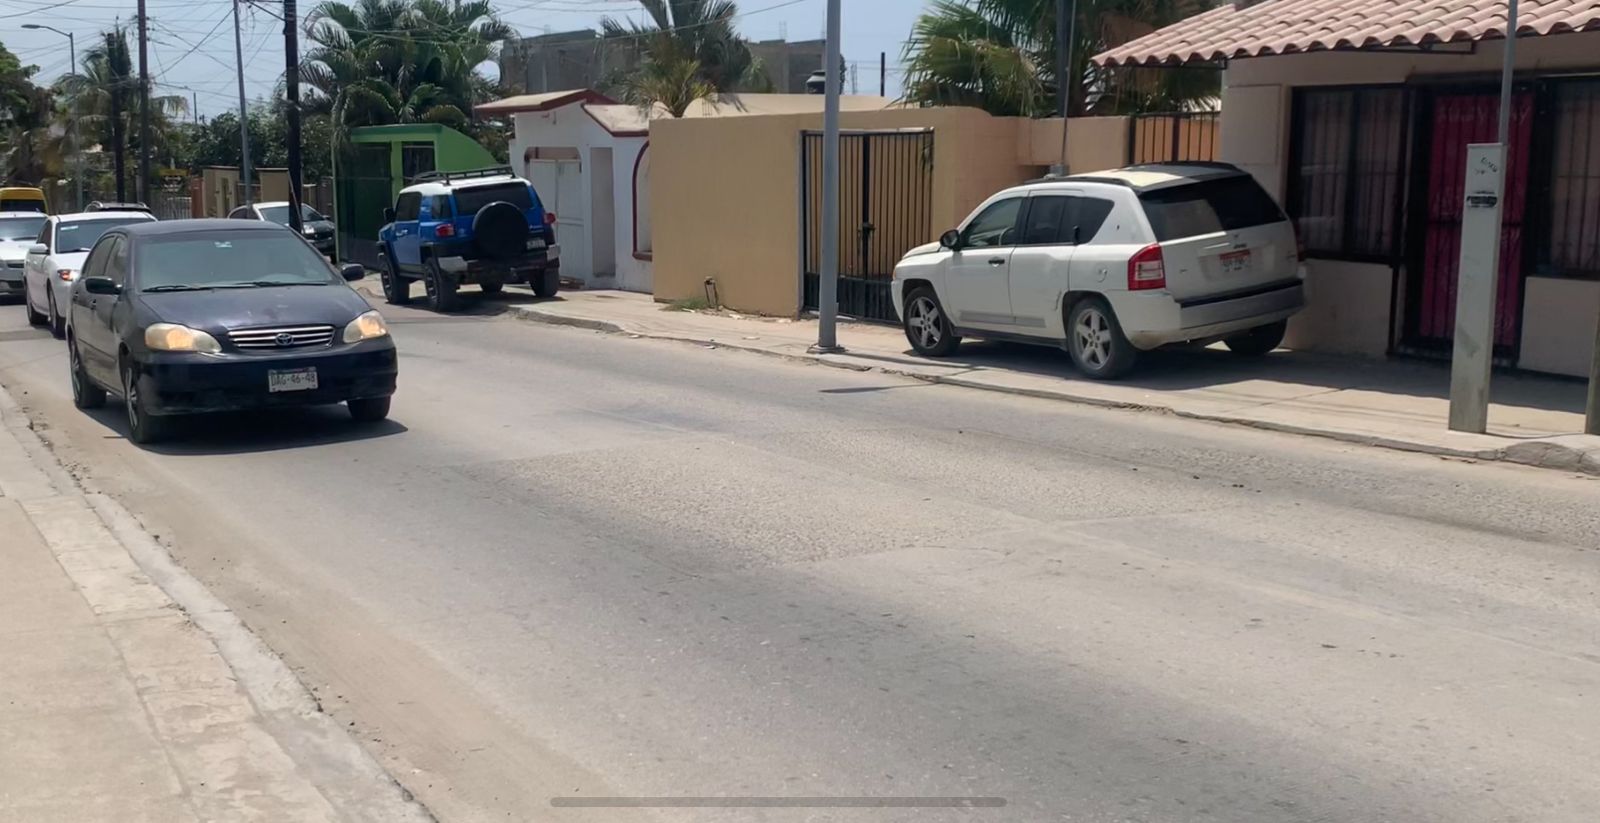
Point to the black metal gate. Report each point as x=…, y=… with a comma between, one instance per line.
x=885, y=209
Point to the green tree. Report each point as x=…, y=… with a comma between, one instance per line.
x=688, y=50
x=376, y=62
x=999, y=55
x=104, y=99
x=30, y=149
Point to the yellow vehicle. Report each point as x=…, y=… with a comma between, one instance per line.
x=22, y=198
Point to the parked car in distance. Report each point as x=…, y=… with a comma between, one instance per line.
x=317, y=228
x=456, y=228
x=192, y=316
x=54, y=261
x=18, y=230
x=1110, y=264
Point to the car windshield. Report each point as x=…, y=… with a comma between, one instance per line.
x=1209, y=207
x=280, y=214
x=80, y=235
x=470, y=200
x=20, y=228
x=224, y=259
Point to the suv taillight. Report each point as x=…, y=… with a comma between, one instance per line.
x=1147, y=270
x=549, y=218
x=445, y=230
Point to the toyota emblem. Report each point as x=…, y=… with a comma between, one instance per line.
x=284, y=339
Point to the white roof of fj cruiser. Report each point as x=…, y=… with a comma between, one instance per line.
x=432, y=187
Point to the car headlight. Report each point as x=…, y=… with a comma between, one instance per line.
x=368, y=326
x=173, y=337
x=67, y=275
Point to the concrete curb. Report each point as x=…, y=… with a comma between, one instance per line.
x=1572, y=453
x=324, y=755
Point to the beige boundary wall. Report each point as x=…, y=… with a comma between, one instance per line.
x=725, y=192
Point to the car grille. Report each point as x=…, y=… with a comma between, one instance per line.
x=281, y=337
x=13, y=264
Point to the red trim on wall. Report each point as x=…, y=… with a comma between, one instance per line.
x=637, y=161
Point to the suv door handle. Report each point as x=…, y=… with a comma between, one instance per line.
x=997, y=261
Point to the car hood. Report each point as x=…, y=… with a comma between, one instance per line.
x=925, y=248
x=14, y=249
x=222, y=309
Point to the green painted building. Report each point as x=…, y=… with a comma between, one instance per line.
x=379, y=161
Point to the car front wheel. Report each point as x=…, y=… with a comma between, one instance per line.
x=1095, y=340
x=369, y=409
x=927, y=327
x=85, y=393
x=1259, y=340
x=143, y=427
x=396, y=289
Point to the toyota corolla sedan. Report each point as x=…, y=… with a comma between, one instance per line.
x=193, y=316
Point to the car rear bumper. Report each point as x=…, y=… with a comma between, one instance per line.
x=196, y=383
x=1153, y=319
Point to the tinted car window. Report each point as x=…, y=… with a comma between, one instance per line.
x=117, y=261
x=1043, y=225
x=441, y=207
x=1208, y=207
x=408, y=206
x=280, y=214
x=470, y=200
x=996, y=226
x=1084, y=219
x=95, y=266
x=221, y=259
x=81, y=235
x=20, y=228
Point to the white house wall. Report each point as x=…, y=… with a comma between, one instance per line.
x=571, y=126
x=1344, y=296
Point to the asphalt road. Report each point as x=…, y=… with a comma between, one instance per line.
x=583, y=566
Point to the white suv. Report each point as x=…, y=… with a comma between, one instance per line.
x=1109, y=264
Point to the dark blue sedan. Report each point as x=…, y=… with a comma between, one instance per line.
x=193, y=316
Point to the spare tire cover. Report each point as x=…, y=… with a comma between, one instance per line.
x=500, y=230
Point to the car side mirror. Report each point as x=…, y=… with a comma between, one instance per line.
x=38, y=248
x=101, y=285
x=950, y=240
x=353, y=271
x=388, y=215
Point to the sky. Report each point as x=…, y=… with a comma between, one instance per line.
x=192, y=54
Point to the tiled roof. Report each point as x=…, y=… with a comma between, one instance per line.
x=1239, y=29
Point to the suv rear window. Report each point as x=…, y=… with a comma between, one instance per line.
x=1208, y=207
x=470, y=200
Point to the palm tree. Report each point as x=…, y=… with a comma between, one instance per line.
x=30, y=149
x=689, y=46
x=103, y=98
x=999, y=55
x=400, y=61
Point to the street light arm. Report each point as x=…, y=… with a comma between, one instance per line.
x=66, y=34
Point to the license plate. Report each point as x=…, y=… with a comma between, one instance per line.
x=1235, y=261
x=535, y=244
x=292, y=380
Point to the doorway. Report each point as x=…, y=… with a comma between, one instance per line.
x=1452, y=122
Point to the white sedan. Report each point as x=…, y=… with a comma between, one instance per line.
x=53, y=263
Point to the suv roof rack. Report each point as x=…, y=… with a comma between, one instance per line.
x=447, y=176
x=111, y=205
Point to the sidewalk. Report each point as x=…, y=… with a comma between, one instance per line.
x=114, y=704
x=1400, y=405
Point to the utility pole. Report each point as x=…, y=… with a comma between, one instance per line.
x=72, y=124
x=828, y=283
x=291, y=81
x=1472, y=358
x=1066, y=38
x=244, y=113
x=143, y=188
x=883, y=74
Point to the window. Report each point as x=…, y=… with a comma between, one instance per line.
x=1345, y=176
x=241, y=213
x=1084, y=219
x=95, y=266
x=995, y=226
x=81, y=235
x=408, y=206
x=1043, y=225
x=227, y=259
x=415, y=158
x=117, y=261
x=440, y=208
x=20, y=228
x=470, y=200
x=44, y=236
x=1209, y=207
x=1574, y=247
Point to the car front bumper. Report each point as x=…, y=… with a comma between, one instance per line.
x=186, y=383
x=10, y=279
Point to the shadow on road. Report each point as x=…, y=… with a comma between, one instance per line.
x=253, y=431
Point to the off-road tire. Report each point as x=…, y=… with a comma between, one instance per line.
x=546, y=283
x=396, y=289
x=1259, y=340
x=500, y=231
x=443, y=289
